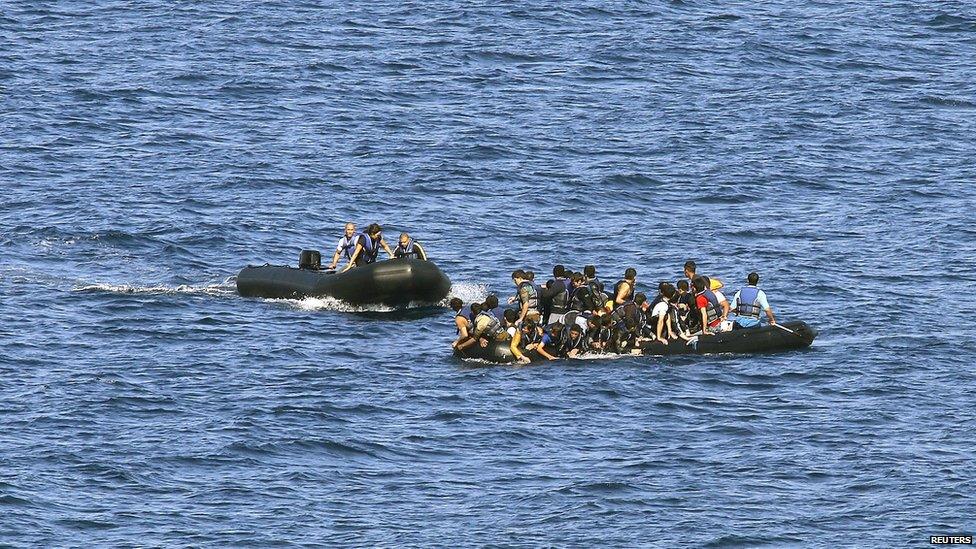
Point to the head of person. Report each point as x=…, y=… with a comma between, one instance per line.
x=575, y=330
x=630, y=274
x=374, y=230
x=589, y=271
x=630, y=324
x=593, y=321
x=682, y=286
x=511, y=316
x=491, y=302
x=753, y=278
x=559, y=271
x=456, y=304
x=661, y=285
x=518, y=276
x=530, y=275
x=668, y=291
x=640, y=298
x=528, y=326
x=698, y=283
x=404, y=239
x=476, y=308
x=577, y=280
x=556, y=328
x=350, y=230
x=690, y=269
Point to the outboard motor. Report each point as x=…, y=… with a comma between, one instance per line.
x=310, y=260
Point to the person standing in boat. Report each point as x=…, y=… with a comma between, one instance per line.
x=346, y=245
x=409, y=248
x=749, y=303
x=368, y=247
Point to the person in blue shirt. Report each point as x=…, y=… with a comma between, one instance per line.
x=749, y=304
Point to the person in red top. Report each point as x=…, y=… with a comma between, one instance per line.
x=707, y=305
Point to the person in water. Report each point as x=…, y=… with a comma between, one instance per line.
x=345, y=246
x=368, y=247
x=407, y=247
x=748, y=303
x=623, y=291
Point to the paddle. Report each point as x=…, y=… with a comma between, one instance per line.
x=787, y=329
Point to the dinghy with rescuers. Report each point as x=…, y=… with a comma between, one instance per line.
x=406, y=278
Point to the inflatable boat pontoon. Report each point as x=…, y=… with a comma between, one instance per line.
x=394, y=282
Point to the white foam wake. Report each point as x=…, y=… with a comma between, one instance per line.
x=225, y=288
x=467, y=291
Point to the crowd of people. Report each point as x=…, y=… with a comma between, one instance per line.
x=574, y=313
x=363, y=248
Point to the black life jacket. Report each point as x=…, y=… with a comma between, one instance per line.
x=599, y=334
x=596, y=295
x=531, y=338
x=616, y=290
x=406, y=251
x=560, y=301
x=748, y=304
x=370, y=249
x=570, y=343
x=533, y=294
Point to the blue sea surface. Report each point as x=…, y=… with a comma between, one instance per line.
x=150, y=150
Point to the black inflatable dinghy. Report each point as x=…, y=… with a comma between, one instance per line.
x=394, y=282
x=784, y=337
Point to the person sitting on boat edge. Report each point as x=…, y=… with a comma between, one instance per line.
x=706, y=305
x=368, y=247
x=598, y=332
x=462, y=321
x=748, y=304
x=529, y=339
x=574, y=342
x=346, y=245
x=623, y=290
x=408, y=247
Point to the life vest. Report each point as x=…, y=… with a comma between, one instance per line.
x=347, y=245
x=628, y=310
x=370, y=249
x=531, y=338
x=570, y=343
x=464, y=313
x=616, y=290
x=749, y=302
x=600, y=334
x=493, y=328
x=406, y=251
x=714, y=308
x=560, y=301
x=533, y=293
